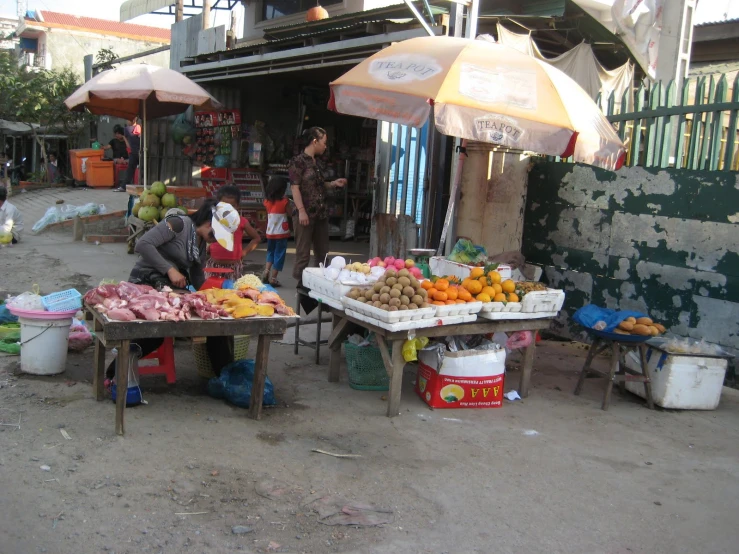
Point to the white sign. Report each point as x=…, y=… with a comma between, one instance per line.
x=499, y=85
x=404, y=69
x=498, y=129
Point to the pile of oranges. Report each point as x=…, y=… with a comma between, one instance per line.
x=478, y=287
x=490, y=287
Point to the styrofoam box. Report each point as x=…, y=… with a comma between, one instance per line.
x=470, y=308
x=414, y=324
x=314, y=280
x=550, y=300
x=441, y=266
x=489, y=307
x=680, y=381
x=497, y=316
x=326, y=300
x=388, y=317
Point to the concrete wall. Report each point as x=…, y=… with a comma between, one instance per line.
x=65, y=48
x=664, y=242
x=492, y=200
x=254, y=27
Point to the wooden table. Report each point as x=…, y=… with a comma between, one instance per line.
x=120, y=334
x=390, y=345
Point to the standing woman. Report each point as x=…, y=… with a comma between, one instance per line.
x=309, y=191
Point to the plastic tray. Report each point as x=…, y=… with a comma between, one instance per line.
x=498, y=316
x=469, y=308
x=441, y=266
x=508, y=307
x=314, y=280
x=550, y=300
x=615, y=336
x=388, y=317
x=413, y=324
x=62, y=301
x=38, y=314
x=326, y=300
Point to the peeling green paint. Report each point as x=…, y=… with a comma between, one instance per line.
x=662, y=241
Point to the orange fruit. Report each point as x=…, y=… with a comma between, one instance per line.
x=512, y=297
x=490, y=291
x=437, y=303
x=508, y=285
x=466, y=282
x=440, y=296
x=426, y=285
x=431, y=292
x=484, y=281
x=441, y=284
x=498, y=288
x=500, y=297
x=477, y=272
x=475, y=287
x=450, y=302
x=458, y=301
x=482, y=297
x=464, y=295
x=494, y=277
x=452, y=293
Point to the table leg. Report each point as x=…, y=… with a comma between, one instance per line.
x=121, y=384
x=339, y=332
x=396, y=378
x=318, y=333
x=528, y=365
x=592, y=352
x=615, y=355
x=647, y=376
x=98, y=377
x=297, y=322
x=260, y=375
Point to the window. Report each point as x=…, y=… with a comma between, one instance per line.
x=278, y=8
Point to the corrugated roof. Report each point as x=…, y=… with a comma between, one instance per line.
x=103, y=26
x=718, y=22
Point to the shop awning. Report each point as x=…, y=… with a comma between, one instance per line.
x=344, y=52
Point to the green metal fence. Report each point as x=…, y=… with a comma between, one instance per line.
x=691, y=128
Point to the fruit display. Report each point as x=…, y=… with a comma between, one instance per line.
x=154, y=203
x=397, y=264
x=642, y=326
x=352, y=273
x=395, y=290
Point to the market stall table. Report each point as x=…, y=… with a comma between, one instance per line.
x=119, y=334
x=393, y=357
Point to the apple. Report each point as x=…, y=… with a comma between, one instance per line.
x=409, y=263
x=399, y=264
x=381, y=264
x=389, y=261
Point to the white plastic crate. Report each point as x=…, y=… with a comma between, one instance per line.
x=470, y=308
x=388, y=317
x=442, y=267
x=314, y=280
x=414, y=324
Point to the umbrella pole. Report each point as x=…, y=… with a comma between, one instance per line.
x=453, y=195
x=145, y=137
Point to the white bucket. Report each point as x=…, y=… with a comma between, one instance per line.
x=44, y=345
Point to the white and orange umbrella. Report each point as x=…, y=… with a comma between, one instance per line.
x=480, y=91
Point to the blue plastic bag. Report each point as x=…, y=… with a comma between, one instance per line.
x=6, y=316
x=589, y=315
x=235, y=383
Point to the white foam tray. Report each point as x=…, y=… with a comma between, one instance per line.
x=470, y=308
x=413, y=324
x=441, y=266
x=508, y=307
x=388, y=317
x=326, y=300
x=314, y=280
x=497, y=316
x=550, y=300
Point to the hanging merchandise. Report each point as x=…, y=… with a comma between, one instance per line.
x=214, y=133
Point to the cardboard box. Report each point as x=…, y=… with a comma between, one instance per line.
x=468, y=379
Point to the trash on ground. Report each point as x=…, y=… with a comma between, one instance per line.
x=333, y=510
x=336, y=455
x=512, y=395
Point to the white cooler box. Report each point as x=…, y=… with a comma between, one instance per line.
x=680, y=381
x=442, y=267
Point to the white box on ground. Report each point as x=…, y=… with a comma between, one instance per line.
x=680, y=381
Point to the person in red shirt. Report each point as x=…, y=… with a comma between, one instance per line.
x=278, y=228
x=219, y=256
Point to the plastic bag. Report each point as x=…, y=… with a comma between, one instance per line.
x=411, y=348
x=6, y=316
x=519, y=339
x=464, y=252
x=589, y=316
x=235, y=383
x=55, y=214
x=80, y=337
x=183, y=131
x=10, y=347
x=10, y=332
x=27, y=301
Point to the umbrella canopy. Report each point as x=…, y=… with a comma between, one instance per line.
x=120, y=92
x=480, y=91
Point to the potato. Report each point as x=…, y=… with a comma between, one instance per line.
x=625, y=326
x=641, y=329
x=644, y=321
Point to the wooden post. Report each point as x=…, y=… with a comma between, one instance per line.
x=179, y=13
x=98, y=377
x=396, y=379
x=79, y=228
x=528, y=365
x=206, y=14
x=615, y=355
x=121, y=383
x=260, y=376
x=334, y=344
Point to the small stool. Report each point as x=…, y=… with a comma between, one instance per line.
x=300, y=292
x=618, y=373
x=164, y=355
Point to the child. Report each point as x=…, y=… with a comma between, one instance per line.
x=278, y=228
x=219, y=256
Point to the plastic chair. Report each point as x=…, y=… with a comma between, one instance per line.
x=164, y=355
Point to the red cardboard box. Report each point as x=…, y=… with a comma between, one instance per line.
x=468, y=379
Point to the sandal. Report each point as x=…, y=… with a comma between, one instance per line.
x=265, y=276
x=275, y=283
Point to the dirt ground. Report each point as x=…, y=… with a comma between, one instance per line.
x=550, y=474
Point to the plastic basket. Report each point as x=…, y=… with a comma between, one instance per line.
x=62, y=301
x=202, y=361
x=366, y=369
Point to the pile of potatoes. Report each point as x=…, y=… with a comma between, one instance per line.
x=394, y=291
x=643, y=326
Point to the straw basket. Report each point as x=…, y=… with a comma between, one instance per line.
x=202, y=361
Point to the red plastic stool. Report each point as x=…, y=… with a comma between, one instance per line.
x=213, y=281
x=164, y=355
